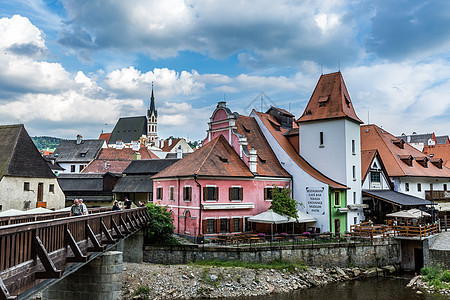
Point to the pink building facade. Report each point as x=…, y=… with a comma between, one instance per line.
x=215, y=189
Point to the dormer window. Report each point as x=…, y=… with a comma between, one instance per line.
x=263, y=161
x=423, y=161
x=437, y=162
x=83, y=154
x=323, y=100
x=407, y=159
x=347, y=101
x=223, y=159
x=246, y=129
x=399, y=143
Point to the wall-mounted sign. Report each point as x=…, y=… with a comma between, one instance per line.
x=315, y=200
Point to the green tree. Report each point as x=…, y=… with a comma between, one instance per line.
x=283, y=204
x=160, y=229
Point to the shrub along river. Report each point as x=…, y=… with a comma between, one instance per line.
x=364, y=289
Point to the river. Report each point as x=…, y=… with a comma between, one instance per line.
x=365, y=289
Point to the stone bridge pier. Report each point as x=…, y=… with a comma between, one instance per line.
x=102, y=277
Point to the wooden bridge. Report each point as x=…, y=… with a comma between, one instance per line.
x=37, y=248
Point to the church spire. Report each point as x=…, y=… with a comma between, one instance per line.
x=152, y=105
x=152, y=120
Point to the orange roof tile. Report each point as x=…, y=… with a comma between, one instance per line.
x=329, y=100
x=167, y=148
x=216, y=158
x=105, y=136
x=277, y=132
x=439, y=151
x=374, y=137
x=125, y=154
x=267, y=163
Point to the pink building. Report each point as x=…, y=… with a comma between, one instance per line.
x=230, y=178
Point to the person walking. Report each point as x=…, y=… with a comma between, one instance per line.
x=116, y=205
x=76, y=209
x=83, y=207
x=127, y=203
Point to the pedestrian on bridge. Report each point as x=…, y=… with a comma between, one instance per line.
x=76, y=209
x=127, y=203
x=83, y=207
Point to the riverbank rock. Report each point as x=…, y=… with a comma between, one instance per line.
x=152, y=281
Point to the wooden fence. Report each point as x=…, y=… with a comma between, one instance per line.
x=56, y=243
x=370, y=230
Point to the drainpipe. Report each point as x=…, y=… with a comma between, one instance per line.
x=199, y=205
x=178, y=221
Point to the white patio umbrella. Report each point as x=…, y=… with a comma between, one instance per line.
x=11, y=212
x=409, y=214
x=270, y=217
x=303, y=218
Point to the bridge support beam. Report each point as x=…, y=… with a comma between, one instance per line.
x=99, y=279
x=132, y=247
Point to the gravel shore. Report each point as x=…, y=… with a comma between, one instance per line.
x=151, y=281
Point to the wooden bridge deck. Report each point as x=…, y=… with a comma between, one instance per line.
x=32, y=252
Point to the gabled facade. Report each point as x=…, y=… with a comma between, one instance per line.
x=220, y=185
x=419, y=141
x=26, y=181
x=411, y=171
x=74, y=155
x=127, y=131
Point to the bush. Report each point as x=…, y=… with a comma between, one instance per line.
x=160, y=228
x=446, y=276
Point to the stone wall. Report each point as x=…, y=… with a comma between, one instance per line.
x=439, y=258
x=369, y=254
x=99, y=279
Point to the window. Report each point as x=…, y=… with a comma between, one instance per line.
x=353, y=147
x=406, y=186
x=431, y=186
x=210, y=193
x=26, y=186
x=237, y=225
x=82, y=167
x=355, y=220
x=268, y=193
x=375, y=176
x=321, y=139
x=171, y=193
x=51, y=188
x=187, y=193
x=354, y=197
x=83, y=154
x=223, y=225
x=235, y=193
x=159, y=193
x=445, y=186
x=210, y=226
x=419, y=187
x=337, y=201
x=72, y=168
x=247, y=224
x=354, y=172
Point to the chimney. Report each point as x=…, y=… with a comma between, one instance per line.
x=161, y=143
x=252, y=162
x=179, y=152
x=170, y=142
x=222, y=104
x=136, y=156
x=408, y=139
x=79, y=139
x=135, y=145
x=119, y=145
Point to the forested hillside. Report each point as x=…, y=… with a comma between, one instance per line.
x=46, y=142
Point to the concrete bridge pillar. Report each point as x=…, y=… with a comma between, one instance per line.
x=132, y=247
x=99, y=279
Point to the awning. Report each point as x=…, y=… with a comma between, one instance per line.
x=396, y=198
x=442, y=206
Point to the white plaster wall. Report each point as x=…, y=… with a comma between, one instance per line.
x=384, y=184
x=66, y=166
x=184, y=146
x=12, y=195
x=300, y=179
x=438, y=185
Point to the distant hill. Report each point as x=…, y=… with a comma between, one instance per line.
x=48, y=143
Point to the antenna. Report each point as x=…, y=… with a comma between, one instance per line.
x=339, y=65
x=289, y=106
x=224, y=97
x=368, y=119
x=321, y=69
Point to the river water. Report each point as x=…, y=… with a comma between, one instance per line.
x=365, y=289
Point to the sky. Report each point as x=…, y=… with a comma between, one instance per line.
x=73, y=67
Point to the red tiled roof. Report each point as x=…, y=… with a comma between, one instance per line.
x=439, y=151
x=101, y=166
x=329, y=100
x=373, y=137
x=167, y=148
x=216, y=158
x=277, y=133
x=124, y=154
x=267, y=163
x=105, y=136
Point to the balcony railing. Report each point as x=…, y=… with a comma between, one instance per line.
x=437, y=195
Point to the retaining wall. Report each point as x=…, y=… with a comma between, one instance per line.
x=386, y=252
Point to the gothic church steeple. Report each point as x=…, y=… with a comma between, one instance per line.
x=152, y=119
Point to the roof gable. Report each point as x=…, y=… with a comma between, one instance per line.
x=19, y=156
x=129, y=129
x=217, y=158
x=70, y=151
x=329, y=100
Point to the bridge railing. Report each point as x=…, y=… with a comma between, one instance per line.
x=33, y=252
x=8, y=220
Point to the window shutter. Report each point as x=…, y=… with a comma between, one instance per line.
x=265, y=193
x=190, y=193
x=204, y=226
x=241, y=221
x=216, y=193
x=241, y=193
x=217, y=225
x=205, y=194
x=230, y=193
x=230, y=224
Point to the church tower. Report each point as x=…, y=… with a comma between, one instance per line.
x=152, y=120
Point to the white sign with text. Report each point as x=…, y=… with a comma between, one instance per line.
x=315, y=200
